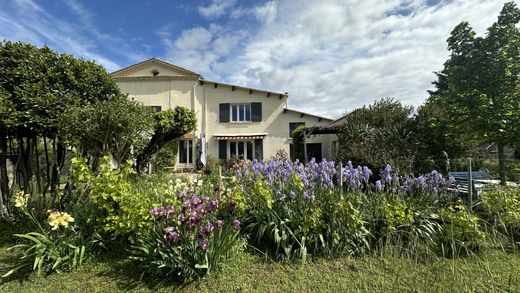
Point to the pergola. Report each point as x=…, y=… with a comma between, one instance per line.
x=317, y=130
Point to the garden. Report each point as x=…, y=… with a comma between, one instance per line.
x=174, y=230
x=81, y=209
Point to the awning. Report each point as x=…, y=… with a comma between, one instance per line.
x=240, y=136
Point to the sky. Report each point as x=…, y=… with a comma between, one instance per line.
x=331, y=56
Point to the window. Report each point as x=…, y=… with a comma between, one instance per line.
x=293, y=126
x=186, y=151
x=242, y=149
x=240, y=112
x=155, y=109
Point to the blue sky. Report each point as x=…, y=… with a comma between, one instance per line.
x=330, y=55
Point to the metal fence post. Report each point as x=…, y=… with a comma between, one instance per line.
x=470, y=184
x=341, y=180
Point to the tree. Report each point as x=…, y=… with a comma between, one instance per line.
x=169, y=125
x=379, y=134
x=118, y=126
x=36, y=86
x=479, y=87
x=438, y=140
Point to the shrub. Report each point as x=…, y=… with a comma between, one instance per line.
x=167, y=155
x=188, y=239
x=502, y=206
x=294, y=210
x=119, y=210
x=461, y=233
x=58, y=244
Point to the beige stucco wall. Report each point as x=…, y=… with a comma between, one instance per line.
x=192, y=94
x=274, y=121
x=163, y=71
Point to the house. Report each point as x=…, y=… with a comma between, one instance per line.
x=232, y=120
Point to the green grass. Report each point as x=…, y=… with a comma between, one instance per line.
x=491, y=271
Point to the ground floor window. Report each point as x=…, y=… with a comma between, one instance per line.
x=186, y=151
x=242, y=149
x=313, y=151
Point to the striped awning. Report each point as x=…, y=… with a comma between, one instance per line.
x=240, y=136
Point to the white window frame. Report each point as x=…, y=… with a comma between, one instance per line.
x=243, y=109
x=235, y=152
x=187, y=150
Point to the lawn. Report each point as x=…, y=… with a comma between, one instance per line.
x=491, y=271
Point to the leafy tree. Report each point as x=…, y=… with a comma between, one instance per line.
x=439, y=141
x=36, y=86
x=169, y=125
x=479, y=87
x=379, y=134
x=117, y=126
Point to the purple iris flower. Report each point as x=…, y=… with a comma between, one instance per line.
x=379, y=186
x=203, y=243
x=386, y=175
x=236, y=224
x=292, y=195
x=208, y=228
x=219, y=224
x=171, y=235
x=157, y=213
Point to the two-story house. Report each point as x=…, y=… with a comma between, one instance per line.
x=232, y=120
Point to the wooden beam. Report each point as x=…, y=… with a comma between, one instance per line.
x=305, y=146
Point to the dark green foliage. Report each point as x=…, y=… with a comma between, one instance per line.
x=167, y=155
x=116, y=126
x=297, y=136
x=379, y=134
x=439, y=140
x=166, y=262
x=36, y=86
x=479, y=87
x=169, y=125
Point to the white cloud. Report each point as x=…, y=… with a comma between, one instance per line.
x=81, y=11
x=266, y=13
x=335, y=55
x=25, y=20
x=216, y=8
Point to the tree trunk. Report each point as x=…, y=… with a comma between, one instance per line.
x=47, y=166
x=159, y=139
x=501, y=164
x=4, y=181
x=56, y=168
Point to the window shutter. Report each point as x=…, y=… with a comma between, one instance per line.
x=256, y=112
x=224, y=113
x=222, y=149
x=259, y=149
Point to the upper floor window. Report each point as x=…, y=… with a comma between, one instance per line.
x=293, y=126
x=250, y=112
x=240, y=112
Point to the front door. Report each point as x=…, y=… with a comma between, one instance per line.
x=314, y=151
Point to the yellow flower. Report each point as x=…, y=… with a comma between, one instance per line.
x=57, y=219
x=21, y=199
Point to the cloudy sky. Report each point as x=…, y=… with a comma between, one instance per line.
x=331, y=56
